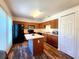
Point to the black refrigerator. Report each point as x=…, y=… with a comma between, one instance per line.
x=18, y=33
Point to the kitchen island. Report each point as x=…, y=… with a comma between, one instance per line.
x=35, y=43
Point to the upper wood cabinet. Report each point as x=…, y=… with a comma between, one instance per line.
x=34, y=24
x=41, y=25
x=26, y=24
x=54, y=23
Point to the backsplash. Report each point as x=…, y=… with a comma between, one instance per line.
x=43, y=30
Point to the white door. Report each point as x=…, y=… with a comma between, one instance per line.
x=67, y=34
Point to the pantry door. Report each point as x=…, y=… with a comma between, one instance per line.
x=67, y=34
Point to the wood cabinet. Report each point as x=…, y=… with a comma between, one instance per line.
x=53, y=23
x=45, y=37
x=26, y=24
x=42, y=25
x=34, y=24
x=36, y=46
x=52, y=40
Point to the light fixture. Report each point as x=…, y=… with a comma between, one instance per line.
x=36, y=13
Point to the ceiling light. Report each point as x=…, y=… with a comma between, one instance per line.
x=36, y=13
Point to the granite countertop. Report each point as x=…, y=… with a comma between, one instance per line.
x=33, y=36
x=50, y=33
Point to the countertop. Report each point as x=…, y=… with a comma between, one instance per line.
x=51, y=34
x=31, y=36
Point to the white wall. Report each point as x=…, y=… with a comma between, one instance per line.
x=58, y=15
x=4, y=6
x=77, y=35
x=6, y=27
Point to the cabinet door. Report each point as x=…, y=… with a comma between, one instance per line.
x=41, y=25
x=55, y=41
x=52, y=40
x=49, y=39
x=54, y=23
x=38, y=46
x=67, y=40
x=45, y=37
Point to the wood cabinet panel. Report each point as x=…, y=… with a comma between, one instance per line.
x=52, y=40
x=26, y=24
x=38, y=46
x=54, y=23
x=41, y=25
x=45, y=37
x=55, y=41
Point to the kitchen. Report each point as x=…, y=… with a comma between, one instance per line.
x=58, y=29
x=49, y=28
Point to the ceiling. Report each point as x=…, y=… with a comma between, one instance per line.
x=24, y=8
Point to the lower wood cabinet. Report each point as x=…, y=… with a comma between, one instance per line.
x=45, y=37
x=36, y=46
x=52, y=40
